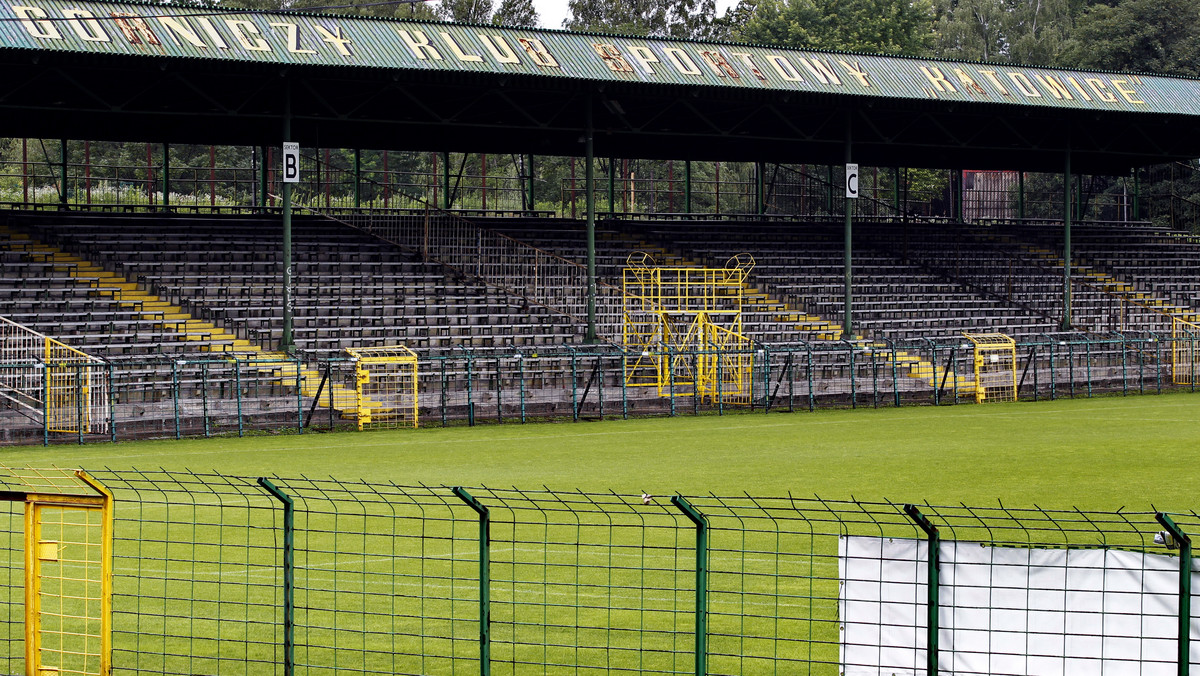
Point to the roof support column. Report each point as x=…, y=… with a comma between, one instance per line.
x=612, y=180
x=847, y=248
x=446, y=180
x=357, y=178
x=263, y=176
x=62, y=172
x=529, y=175
x=288, y=342
x=590, y=190
x=687, y=186
x=1137, y=194
x=166, y=179
x=1020, y=194
x=1066, y=318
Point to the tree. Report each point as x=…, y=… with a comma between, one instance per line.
x=1157, y=36
x=1021, y=31
x=465, y=11
x=656, y=18
x=878, y=26
x=516, y=13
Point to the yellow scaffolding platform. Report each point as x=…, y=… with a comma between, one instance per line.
x=385, y=386
x=685, y=324
x=995, y=367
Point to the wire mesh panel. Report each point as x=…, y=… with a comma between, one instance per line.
x=588, y=583
x=995, y=367
x=385, y=386
x=198, y=574
x=12, y=587
x=387, y=579
x=1185, y=352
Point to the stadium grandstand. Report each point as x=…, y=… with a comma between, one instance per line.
x=136, y=302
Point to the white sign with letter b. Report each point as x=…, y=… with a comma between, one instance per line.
x=291, y=162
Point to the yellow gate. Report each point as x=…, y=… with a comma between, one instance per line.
x=385, y=386
x=68, y=571
x=1185, y=351
x=995, y=367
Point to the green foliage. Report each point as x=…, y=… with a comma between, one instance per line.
x=516, y=13
x=1156, y=36
x=656, y=18
x=1019, y=31
x=876, y=26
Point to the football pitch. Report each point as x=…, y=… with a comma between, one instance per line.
x=1139, y=453
x=388, y=575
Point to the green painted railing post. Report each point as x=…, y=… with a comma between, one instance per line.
x=357, y=178
x=175, y=395
x=237, y=384
x=932, y=601
x=701, y=581
x=1183, y=644
x=289, y=575
x=485, y=603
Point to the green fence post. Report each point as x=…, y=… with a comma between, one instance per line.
x=1185, y=592
x=521, y=382
x=46, y=404
x=79, y=389
x=175, y=394
x=299, y=397
x=237, y=383
x=701, y=626
x=624, y=386
x=485, y=541
x=289, y=575
x=204, y=398
x=932, y=601
x=112, y=406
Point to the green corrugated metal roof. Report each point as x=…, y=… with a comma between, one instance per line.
x=305, y=39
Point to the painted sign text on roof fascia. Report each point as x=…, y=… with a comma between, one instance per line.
x=119, y=28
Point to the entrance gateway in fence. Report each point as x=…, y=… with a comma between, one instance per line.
x=68, y=535
x=684, y=325
x=995, y=367
x=51, y=383
x=385, y=386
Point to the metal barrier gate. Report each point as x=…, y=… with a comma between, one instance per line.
x=385, y=384
x=995, y=367
x=68, y=571
x=1185, y=355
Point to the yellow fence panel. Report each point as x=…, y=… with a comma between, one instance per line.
x=995, y=367
x=385, y=386
x=1185, y=352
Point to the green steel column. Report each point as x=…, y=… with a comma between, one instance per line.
x=701, y=611
x=166, y=182
x=289, y=575
x=446, y=180
x=847, y=258
x=1066, y=320
x=760, y=188
x=357, y=178
x=1020, y=194
x=958, y=195
x=896, y=190
x=62, y=171
x=529, y=171
x=1079, y=199
x=263, y=184
x=589, y=181
x=1137, y=194
x=933, y=597
x=687, y=186
x=1183, y=644
x=829, y=189
x=485, y=603
x=287, y=343
x=612, y=184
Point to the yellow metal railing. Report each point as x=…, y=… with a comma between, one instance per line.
x=1185, y=351
x=52, y=382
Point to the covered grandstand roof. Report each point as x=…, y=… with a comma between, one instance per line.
x=132, y=71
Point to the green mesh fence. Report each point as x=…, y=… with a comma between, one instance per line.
x=222, y=397
x=234, y=575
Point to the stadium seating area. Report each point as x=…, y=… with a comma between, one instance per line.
x=162, y=292
x=140, y=285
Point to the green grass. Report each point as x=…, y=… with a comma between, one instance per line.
x=387, y=583
x=1102, y=453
